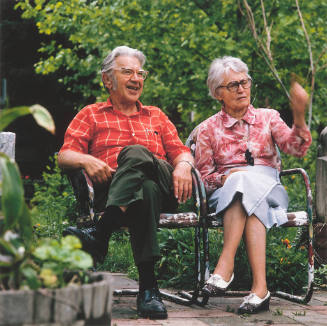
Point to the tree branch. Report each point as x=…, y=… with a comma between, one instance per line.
x=312, y=66
x=265, y=50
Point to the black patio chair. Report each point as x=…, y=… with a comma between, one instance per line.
x=88, y=216
x=299, y=219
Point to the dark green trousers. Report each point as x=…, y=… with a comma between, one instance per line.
x=142, y=183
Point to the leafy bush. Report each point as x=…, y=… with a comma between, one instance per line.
x=22, y=265
x=54, y=203
x=51, y=264
x=321, y=276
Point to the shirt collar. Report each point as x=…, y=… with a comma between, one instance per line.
x=229, y=121
x=142, y=109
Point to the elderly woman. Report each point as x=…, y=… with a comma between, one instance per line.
x=237, y=158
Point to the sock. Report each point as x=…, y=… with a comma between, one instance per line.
x=147, y=278
x=110, y=221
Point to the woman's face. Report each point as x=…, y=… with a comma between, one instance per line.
x=235, y=100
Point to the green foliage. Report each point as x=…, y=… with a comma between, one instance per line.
x=321, y=276
x=12, y=198
x=120, y=256
x=54, y=203
x=177, y=256
x=39, y=113
x=50, y=264
x=21, y=264
x=58, y=257
x=180, y=40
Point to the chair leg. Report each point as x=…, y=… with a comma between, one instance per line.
x=307, y=297
x=183, y=297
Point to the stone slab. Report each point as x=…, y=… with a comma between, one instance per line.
x=43, y=300
x=66, y=305
x=100, y=294
x=16, y=307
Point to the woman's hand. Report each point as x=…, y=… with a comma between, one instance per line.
x=298, y=103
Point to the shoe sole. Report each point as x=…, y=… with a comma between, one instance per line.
x=161, y=315
x=263, y=307
x=214, y=291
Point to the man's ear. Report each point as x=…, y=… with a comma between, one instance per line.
x=107, y=82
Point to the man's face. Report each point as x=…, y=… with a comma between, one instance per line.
x=127, y=88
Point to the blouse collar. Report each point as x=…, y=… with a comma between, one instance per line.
x=229, y=121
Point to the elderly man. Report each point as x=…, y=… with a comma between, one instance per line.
x=138, y=164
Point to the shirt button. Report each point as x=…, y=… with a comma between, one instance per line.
x=133, y=134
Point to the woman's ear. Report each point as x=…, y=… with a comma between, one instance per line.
x=218, y=96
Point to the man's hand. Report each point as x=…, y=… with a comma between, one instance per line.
x=182, y=181
x=97, y=170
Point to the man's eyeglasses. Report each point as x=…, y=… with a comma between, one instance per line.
x=127, y=72
x=233, y=86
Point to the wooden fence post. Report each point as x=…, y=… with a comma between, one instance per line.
x=320, y=228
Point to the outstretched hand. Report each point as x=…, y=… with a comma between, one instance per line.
x=298, y=102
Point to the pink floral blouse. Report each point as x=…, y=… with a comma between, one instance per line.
x=222, y=141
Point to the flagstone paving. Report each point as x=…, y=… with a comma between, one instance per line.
x=220, y=311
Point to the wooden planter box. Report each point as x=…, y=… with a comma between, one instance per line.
x=88, y=304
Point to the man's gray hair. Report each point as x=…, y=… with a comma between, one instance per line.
x=219, y=68
x=109, y=62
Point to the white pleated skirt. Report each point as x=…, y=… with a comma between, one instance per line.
x=261, y=193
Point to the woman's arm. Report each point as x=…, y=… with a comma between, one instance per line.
x=296, y=140
x=204, y=161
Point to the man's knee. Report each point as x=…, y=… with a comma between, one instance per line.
x=135, y=153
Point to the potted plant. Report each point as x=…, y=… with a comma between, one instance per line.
x=42, y=280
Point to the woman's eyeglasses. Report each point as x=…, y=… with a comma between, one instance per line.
x=233, y=86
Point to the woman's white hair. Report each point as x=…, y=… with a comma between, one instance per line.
x=219, y=68
x=108, y=63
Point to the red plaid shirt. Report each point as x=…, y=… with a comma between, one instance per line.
x=100, y=130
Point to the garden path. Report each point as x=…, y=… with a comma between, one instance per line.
x=220, y=311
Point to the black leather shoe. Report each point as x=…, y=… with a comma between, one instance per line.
x=150, y=305
x=97, y=250
x=252, y=304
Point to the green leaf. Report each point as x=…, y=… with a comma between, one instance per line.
x=12, y=192
x=81, y=259
x=26, y=225
x=71, y=242
x=42, y=117
x=31, y=278
x=7, y=116
x=40, y=114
